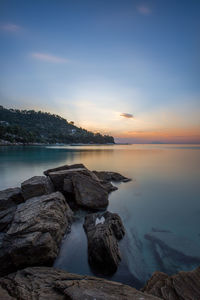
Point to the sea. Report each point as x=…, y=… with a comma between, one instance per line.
x=160, y=206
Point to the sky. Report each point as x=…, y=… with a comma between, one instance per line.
x=128, y=68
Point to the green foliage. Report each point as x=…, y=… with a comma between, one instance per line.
x=29, y=126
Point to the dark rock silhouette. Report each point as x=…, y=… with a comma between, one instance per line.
x=103, y=231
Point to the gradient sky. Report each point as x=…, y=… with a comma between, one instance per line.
x=129, y=68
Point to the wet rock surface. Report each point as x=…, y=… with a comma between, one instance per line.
x=181, y=286
x=35, y=232
x=48, y=283
x=103, y=231
x=36, y=186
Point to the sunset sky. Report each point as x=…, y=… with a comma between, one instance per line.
x=129, y=68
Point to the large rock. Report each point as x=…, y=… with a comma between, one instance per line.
x=10, y=198
x=35, y=233
x=111, y=176
x=103, y=231
x=36, y=186
x=58, y=177
x=181, y=286
x=89, y=193
x=62, y=177
x=43, y=283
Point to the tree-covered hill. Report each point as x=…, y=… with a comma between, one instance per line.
x=29, y=126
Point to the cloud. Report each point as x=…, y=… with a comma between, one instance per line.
x=10, y=27
x=126, y=115
x=144, y=10
x=49, y=58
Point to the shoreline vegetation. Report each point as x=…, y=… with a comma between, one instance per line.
x=33, y=221
x=20, y=127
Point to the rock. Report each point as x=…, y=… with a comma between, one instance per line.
x=62, y=178
x=35, y=233
x=10, y=198
x=181, y=286
x=63, y=168
x=59, y=176
x=36, y=186
x=89, y=193
x=102, y=234
x=43, y=283
x=111, y=176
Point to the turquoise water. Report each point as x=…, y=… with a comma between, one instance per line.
x=164, y=194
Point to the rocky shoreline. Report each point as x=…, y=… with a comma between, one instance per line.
x=33, y=221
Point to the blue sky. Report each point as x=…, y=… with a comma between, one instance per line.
x=95, y=61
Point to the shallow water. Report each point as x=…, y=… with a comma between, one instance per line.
x=164, y=194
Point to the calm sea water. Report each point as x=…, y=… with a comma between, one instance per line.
x=163, y=197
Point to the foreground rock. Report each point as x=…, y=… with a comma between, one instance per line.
x=182, y=286
x=82, y=186
x=35, y=233
x=43, y=283
x=36, y=186
x=58, y=177
x=102, y=177
x=103, y=231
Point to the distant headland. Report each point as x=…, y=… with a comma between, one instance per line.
x=37, y=127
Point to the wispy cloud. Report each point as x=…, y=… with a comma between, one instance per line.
x=126, y=115
x=10, y=27
x=144, y=9
x=49, y=58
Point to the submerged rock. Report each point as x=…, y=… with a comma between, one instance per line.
x=111, y=176
x=103, y=231
x=183, y=247
x=48, y=283
x=36, y=186
x=35, y=233
x=181, y=286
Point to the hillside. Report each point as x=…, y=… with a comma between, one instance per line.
x=29, y=126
